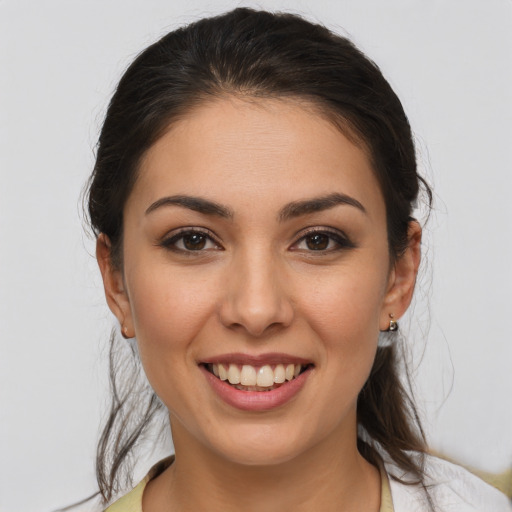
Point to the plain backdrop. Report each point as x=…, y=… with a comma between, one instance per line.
x=449, y=62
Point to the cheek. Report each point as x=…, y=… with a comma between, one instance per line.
x=347, y=304
x=169, y=309
x=344, y=311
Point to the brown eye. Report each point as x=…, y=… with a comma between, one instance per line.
x=194, y=241
x=190, y=241
x=323, y=242
x=317, y=242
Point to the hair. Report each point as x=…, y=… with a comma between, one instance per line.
x=257, y=54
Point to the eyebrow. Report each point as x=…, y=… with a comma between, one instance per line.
x=197, y=204
x=318, y=204
x=291, y=210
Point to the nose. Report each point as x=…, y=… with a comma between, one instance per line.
x=255, y=297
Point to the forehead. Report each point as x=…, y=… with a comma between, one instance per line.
x=249, y=150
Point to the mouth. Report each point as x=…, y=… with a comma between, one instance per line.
x=263, y=378
x=257, y=383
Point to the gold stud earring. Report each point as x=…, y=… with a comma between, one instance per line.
x=393, y=324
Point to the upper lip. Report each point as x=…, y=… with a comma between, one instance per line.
x=256, y=360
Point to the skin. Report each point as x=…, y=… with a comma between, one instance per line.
x=255, y=287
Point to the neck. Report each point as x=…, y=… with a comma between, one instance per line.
x=331, y=476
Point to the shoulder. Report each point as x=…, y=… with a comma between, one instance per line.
x=132, y=502
x=452, y=488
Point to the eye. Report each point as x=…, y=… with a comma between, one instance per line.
x=318, y=242
x=323, y=241
x=191, y=240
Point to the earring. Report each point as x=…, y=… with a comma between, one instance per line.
x=393, y=324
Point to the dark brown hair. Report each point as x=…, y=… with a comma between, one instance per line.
x=264, y=55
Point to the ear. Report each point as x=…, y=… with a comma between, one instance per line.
x=113, y=283
x=402, y=278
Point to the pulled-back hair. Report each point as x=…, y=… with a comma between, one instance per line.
x=264, y=55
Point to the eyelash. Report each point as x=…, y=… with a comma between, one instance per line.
x=171, y=242
x=339, y=238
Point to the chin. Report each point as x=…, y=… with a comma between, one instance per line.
x=263, y=446
x=261, y=456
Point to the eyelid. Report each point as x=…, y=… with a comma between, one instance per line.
x=170, y=238
x=337, y=235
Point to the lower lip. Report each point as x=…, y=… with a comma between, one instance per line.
x=256, y=400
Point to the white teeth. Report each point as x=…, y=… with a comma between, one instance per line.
x=248, y=376
x=233, y=374
x=265, y=377
x=279, y=374
x=255, y=378
x=223, y=374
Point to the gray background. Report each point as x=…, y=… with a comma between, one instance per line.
x=449, y=61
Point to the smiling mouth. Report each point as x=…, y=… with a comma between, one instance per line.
x=256, y=378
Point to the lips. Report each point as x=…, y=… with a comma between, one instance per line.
x=256, y=383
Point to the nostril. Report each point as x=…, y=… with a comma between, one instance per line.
x=255, y=304
x=258, y=331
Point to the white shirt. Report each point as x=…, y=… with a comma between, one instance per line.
x=452, y=488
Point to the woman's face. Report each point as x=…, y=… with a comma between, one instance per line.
x=255, y=246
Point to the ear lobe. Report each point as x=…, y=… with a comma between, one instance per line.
x=113, y=284
x=402, y=278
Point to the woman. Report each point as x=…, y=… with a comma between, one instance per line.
x=252, y=198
